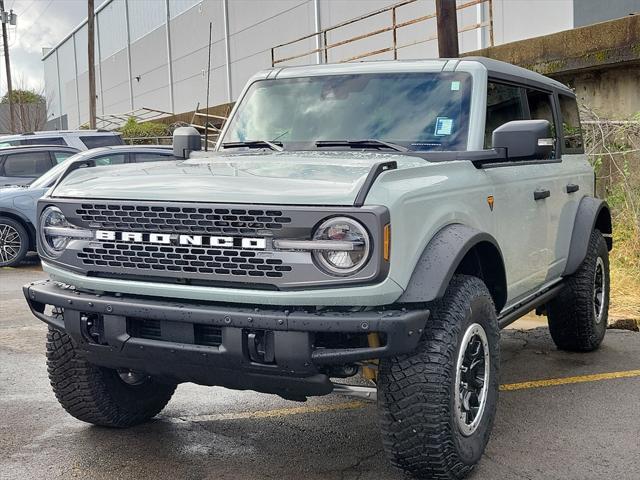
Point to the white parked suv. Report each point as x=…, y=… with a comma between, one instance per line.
x=80, y=139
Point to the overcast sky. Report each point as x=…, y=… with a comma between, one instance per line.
x=41, y=23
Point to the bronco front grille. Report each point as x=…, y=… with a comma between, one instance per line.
x=183, y=219
x=182, y=260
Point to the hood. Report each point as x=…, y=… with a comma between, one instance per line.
x=283, y=178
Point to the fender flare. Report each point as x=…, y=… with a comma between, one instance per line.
x=441, y=258
x=592, y=213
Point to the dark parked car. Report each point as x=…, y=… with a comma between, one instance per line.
x=22, y=165
x=18, y=215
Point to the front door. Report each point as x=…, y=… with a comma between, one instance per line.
x=525, y=226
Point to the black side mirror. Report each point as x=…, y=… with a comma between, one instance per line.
x=525, y=139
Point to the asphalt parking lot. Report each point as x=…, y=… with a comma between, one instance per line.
x=560, y=416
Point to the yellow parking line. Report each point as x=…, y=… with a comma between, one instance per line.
x=355, y=405
x=281, y=412
x=552, y=382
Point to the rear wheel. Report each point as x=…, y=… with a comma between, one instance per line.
x=578, y=316
x=14, y=242
x=437, y=404
x=102, y=396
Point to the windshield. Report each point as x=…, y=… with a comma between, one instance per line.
x=420, y=111
x=48, y=178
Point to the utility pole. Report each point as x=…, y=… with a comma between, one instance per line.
x=8, y=17
x=206, y=123
x=92, y=69
x=447, y=20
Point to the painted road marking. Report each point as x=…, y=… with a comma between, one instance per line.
x=281, y=412
x=552, y=382
x=356, y=405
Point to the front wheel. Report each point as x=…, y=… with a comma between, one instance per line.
x=102, y=396
x=437, y=404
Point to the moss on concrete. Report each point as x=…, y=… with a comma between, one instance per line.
x=594, y=46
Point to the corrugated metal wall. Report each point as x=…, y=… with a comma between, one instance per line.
x=133, y=57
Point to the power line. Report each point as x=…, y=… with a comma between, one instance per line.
x=28, y=7
x=41, y=13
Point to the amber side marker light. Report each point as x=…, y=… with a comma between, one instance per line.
x=386, y=247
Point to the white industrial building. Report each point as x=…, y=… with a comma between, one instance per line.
x=153, y=53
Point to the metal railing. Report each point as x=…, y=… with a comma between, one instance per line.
x=394, y=26
x=164, y=140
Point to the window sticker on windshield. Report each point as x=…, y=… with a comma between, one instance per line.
x=455, y=86
x=444, y=126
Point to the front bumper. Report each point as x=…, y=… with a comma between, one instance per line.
x=215, y=344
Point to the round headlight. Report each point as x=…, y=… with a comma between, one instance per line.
x=354, y=246
x=52, y=243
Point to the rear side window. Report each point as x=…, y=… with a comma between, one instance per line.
x=150, y=157
x=62, y=156
x=32, y=164
x=44, y=141
x=571, y=130
x=504, y=104
x=96, y=141
x=112, y=159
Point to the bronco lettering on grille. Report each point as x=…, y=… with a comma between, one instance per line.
x=175, y=239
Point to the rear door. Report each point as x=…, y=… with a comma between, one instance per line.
x=577, y=178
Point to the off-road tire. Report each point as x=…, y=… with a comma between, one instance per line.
x=416, y=392
x=24, y=241
x=572, y=318
x=98, y=395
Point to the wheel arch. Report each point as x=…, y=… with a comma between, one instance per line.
x=593, y=213
x=24, y=221
x=457, y=248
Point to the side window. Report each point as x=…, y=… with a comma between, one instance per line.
x=151, y=157
x=95, y=141
x=44, y=141
x=62, y=156
x=32, y=164
x=113, y=159
x=571, y=130
x=541, y=108
x=504, y=104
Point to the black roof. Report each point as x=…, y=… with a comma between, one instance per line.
x=507, y=71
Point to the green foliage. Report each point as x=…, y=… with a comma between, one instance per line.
x=23, y=97
x=143, y=131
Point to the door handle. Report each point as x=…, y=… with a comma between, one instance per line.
x=572, y=187
x=541, y=194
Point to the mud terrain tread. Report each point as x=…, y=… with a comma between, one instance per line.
x=414, y=391
x=571, y=318
x=87, y=392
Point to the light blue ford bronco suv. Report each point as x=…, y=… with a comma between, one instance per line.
x=381, y=219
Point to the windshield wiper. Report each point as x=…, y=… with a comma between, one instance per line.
x=361, y=143
x=277, y=146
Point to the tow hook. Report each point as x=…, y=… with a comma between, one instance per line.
x=260, y=345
